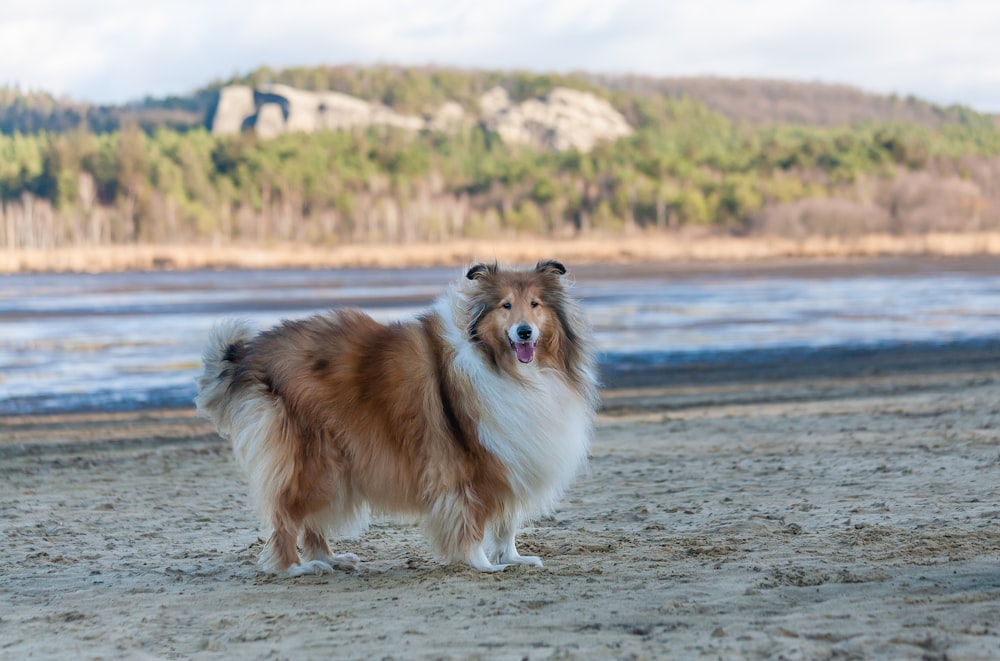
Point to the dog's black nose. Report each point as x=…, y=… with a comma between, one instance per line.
x=524, y=332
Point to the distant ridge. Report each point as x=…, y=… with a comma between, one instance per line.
x=768, y=101
x=416, y=90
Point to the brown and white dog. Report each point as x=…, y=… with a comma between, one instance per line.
x=474, y=417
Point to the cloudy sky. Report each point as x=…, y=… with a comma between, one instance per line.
x=119, y=50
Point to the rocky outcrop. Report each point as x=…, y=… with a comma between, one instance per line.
x=235, y=105
x=275, y=109
x=565, y=119
x=449, y=117
x=494, y=102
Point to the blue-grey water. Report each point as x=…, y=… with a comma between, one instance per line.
x=133, y=340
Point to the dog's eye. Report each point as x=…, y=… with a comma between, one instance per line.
x=506, y=306
x=534, y=304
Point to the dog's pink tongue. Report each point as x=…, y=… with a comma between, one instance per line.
x=525, y=351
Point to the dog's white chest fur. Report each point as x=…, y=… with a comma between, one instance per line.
x=540, y=431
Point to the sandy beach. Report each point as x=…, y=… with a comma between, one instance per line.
x=843, y=508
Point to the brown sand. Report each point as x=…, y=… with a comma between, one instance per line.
x=811, y=514
x=689, y=247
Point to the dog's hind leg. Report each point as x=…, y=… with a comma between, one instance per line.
x=456, y=524
x=335, y=511
x=316, y=549
x=280, y=556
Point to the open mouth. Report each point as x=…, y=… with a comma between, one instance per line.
x=525, y=350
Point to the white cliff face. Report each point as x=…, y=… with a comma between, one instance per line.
x=494, y=102
x=565, y=119
x=241, y=107
x=448, y=117
x=235, y=105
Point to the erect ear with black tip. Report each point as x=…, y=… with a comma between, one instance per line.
x=477, y=271
x=550, y=266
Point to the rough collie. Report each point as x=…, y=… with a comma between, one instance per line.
x=474, y=417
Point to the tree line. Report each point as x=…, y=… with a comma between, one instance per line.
x=685, y=165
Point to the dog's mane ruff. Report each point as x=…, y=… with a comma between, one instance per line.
x=578, y=350
x=539, y=425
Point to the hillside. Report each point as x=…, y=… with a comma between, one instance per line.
x=768, y=102
x=516, y=158
x=417, y=89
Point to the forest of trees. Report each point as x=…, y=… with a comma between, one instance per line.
x=154, y=174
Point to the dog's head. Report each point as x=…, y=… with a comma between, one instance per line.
x=515, y=314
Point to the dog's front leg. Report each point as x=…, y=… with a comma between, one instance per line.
x=507, y=549
x=477, y=560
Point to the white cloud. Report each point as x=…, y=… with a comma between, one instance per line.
x=112, y=50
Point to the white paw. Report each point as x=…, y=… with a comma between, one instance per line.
x=533, y=560
x=343, y=561
x=488, y=567
x=314, y=567
x=477, y=560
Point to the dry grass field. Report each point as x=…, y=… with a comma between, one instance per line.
x=640, y=248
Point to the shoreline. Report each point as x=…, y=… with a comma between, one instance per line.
x=684, y=250
x=826, y=375
x=751, y=369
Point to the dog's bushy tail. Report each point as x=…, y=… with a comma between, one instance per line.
x=244, y=412
x=226, y=347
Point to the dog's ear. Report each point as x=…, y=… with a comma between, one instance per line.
x=477, y=271
x=550, y=266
